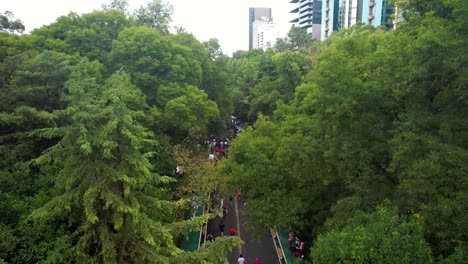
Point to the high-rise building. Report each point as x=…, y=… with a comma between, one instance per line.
x=309, y=16
x=339, y=14
x=257, y=13
x=264, y=34
x=330, y=17
x=321, y=17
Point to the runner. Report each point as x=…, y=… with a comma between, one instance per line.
x=221, y=228
x=224, y=211
x=232, y=231
x=241, y=259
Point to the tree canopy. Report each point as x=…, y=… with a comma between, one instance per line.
x=357, y=143
x=380, y=115
x=9, y=24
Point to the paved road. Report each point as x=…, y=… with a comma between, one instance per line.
x=264, y=248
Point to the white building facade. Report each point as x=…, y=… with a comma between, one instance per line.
x=265, y=34
x=257, y=13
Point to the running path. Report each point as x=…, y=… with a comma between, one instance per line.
x=264, y=249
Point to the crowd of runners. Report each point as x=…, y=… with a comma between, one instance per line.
x=219, y=147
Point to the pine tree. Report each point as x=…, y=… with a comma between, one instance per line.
x=115, y=207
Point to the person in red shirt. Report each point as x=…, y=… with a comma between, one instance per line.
x=257, y=261
x=232, y=231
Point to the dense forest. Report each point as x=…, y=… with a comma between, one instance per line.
x=359, y=143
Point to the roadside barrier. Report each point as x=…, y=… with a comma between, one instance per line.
x=279, y=247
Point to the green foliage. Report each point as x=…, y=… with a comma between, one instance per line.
x=264, y=78
x=106, y=178
x=431, y=141
x=280, y=74
x=297, y=39
x=90, y=35
x=186, y=108
x=153, y=60
x=76, y=144
x=213, y=48
x=257, y=167
x=441, y=8
x=381, y=116
x=218, y=85
x=28, y=126
x=167, y=70
x=39, y=81
x=8, y=24
x=8, y=241
x=215, y=73
x=8, y=70
x=157, y=14
x=97, y=30
x=12, y=45
x=121, y=5
x=337, y=127
x=459, y=256
x=379, y=237
x=14, y=52
x=213, y=252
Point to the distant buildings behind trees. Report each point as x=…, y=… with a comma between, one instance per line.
x=318, y=18
x=263, y=32
x=321, y=17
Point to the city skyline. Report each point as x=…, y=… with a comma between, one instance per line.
x=222, y=19
x=320, y=18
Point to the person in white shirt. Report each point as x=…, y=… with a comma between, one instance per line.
x=241, y=259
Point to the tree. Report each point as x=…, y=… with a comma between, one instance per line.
x=213, y=48
x=281, y=44
x=157, y=14
x=280, y=74
x=14, y=51
x=30, y=101
x=22, y=139
x=7, y=24
x=431, y=140
x=381, y=116
x=439, y=8
x=121, y=5
x=97, y=30
x=39, y=82
x=28, y=126
x=186, y=110
x=153, y=60
x=108, y=193
x=168, y=73
x=245, y=67
x=268, y=163
x=89, y=35
x=296, y=39
x=379, y=237
x=264, y=78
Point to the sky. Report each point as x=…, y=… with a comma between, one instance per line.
x=226, y=20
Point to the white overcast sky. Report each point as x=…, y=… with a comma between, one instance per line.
x=226, y=20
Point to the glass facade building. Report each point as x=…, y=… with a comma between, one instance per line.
x=321, y=17
x=309, y=16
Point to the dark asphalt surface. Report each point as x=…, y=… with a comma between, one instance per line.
x=263, y=248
